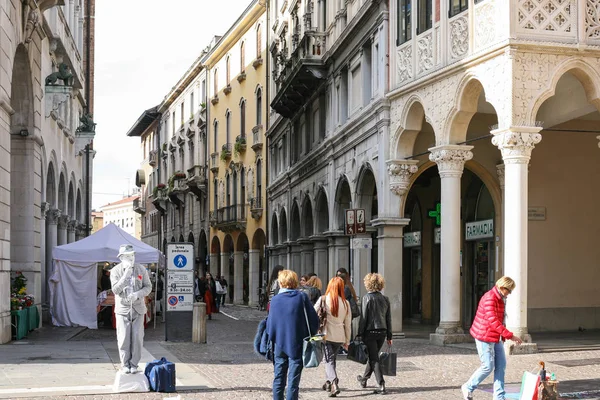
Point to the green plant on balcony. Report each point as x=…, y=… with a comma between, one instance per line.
x=157, y=188
x=240, y=145
x=225, y=152
x=203, y=105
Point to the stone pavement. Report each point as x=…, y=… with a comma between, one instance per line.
x=72, y=363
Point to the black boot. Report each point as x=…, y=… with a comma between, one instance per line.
x=335, y=389
x=381, y=389
x=326, y=386
x=362, y=381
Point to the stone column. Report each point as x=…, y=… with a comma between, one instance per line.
x=500, y=223
x=254, y=276
x=71, y=231
x=362, y=266
x=450, y=160
x=63, y=221
x=339, y=252
x=307, y=256
x=320, y=258
x=214, y=263
x=389, y=242
x=225, y=265
x=44, y=208
x=52, y=217
x=516, y=145
x=238, y=277
x=296, y=261
x=80, y=232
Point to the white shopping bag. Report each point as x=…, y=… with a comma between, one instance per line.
x=529, y=386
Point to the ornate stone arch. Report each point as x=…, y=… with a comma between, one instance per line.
x=366, y=189
x=343, y=200
x=274, y=229
x=321, y=211
x=586, y=74
x=295, y=222
x=412, y=115
x=283, y=225
x=307, y=217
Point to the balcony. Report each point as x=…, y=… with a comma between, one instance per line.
x=231, y=218
x=214, y=163
x=139, y=206
x=257, y=138
x=196, y=180
x=240, y=144
x=159, y=198
x=177, y=191
x=299, y=76
x=256, y=208
x=226, y=152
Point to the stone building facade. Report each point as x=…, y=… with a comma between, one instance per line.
x=328, y=126
x=45, y=94
x=494, y=113
x=122, y=213
x=236, y=120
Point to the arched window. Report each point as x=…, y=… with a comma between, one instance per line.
x=228, y=126
x=243, y=118
x=259, y=179
x=259, y=106
x=242, y=188
x=216, y=82
x=258, y=41
x=215, y=133
x=227, y=70
x=242, y=57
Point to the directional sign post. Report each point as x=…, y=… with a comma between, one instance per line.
x=350, y=225
x=180, y=291
x=361, y=226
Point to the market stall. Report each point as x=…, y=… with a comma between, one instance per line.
x=73, y=282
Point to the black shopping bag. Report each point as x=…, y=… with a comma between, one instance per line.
x=357, y=351
x=387, y=361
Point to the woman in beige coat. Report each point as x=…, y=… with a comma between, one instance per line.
x=337, y=330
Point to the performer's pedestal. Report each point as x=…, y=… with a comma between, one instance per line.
x=129, y=383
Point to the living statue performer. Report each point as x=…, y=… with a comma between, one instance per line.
x=130, y=284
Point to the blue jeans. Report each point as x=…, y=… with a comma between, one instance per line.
x=289, y=369
x=492, y=359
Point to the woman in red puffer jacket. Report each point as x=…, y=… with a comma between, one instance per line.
x=487, y=329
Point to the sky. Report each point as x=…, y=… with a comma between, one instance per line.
x=143, y=47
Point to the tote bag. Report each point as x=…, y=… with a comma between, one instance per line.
x=312, y=347
x=388, y=362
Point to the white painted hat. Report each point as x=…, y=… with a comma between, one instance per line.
x=125, y=249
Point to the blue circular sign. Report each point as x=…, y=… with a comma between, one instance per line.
x=173, y=300
x=180, y=261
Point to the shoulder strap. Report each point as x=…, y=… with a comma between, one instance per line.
x=306, y=317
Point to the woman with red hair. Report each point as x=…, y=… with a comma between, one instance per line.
x=337, y=330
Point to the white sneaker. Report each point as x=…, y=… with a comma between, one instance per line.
x=134, y=370
x=465, y=392
x=125, y=370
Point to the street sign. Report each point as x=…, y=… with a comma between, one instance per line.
x=350, y=225
x=361, y=226
x=180, y=256
x=362, y=243
x=179, y=282
x=181, y=302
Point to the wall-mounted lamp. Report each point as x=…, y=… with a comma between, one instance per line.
x=24, y=132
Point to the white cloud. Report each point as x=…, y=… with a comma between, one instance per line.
x=143, y=47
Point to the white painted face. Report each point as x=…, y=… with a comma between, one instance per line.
x=128, y=259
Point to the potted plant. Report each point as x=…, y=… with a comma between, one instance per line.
x=240, y=144
x=202, y=105
x=179, y=175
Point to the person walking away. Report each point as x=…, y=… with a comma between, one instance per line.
x=489, y=332
x=375, y=328
x=224, y=286
x=312, y=288
x=130, y=284
x=287, y=327
x=219, y=292
x=273, y=285
x=337, y=330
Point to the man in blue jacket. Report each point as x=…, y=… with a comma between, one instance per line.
x=290, y=316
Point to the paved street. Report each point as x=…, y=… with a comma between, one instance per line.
x=84, y=365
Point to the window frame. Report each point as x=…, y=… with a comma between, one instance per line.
x=463, y=5
x=404, y=35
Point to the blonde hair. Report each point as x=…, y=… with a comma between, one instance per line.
x=506, y=282
x=374, y=282
x=314, y=281
x=288, y=279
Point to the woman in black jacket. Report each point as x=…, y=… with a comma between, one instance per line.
x=375, y=327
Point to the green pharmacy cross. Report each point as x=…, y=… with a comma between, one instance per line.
x=437, y=214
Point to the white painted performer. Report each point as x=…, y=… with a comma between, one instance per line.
x=130, y=284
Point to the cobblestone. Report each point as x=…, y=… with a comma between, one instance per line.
x=425, y=371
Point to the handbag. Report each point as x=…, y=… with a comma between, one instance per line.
x=388, y=362
x=312, y=347
x=357, y=351
x=218, y=287
x=322, y=313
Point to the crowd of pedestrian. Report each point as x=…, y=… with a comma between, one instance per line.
x=298, y=310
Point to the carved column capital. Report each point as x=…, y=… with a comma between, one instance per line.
x=63, y=221
x=516, y=143
x=53, y=215
x=72, y=225
x=400, y=172
x=44, y=208
x=500, y=172
x=450, y=159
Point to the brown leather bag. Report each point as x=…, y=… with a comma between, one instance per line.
x=322, y=313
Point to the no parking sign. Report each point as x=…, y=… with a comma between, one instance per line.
x=180, y=277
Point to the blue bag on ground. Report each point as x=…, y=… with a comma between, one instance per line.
x=161, y=375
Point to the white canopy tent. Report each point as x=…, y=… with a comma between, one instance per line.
x=73, y=282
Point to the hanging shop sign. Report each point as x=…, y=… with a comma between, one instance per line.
x=479, y=230
x=412, y=239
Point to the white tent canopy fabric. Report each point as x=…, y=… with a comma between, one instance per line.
x=73, y=282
